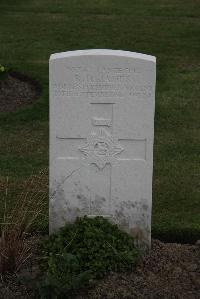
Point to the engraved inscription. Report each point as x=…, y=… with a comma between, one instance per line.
x=102, y=82
x=141, y=91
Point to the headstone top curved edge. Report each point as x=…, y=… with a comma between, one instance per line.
x=103, y=52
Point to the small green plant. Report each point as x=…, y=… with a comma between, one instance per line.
x=93, y=246
x=3, y=72
x=64, y=276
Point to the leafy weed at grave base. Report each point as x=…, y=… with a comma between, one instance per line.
x=82, y=252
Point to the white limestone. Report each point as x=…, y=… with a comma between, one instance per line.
x=101, y=138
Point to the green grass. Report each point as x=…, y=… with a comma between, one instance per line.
x=168, y=29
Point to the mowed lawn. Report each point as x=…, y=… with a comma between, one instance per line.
x=30, y=30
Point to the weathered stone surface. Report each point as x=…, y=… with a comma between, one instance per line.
x=101, y=138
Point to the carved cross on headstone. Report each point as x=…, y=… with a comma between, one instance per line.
x=101, y=148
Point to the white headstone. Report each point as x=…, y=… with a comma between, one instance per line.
x=101, y=138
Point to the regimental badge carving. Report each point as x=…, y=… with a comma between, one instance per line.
x=101, y=148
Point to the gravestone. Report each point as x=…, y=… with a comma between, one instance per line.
x=101, y=138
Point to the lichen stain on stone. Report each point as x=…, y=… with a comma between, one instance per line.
x=119, y=214
x=137, y=233
x=123, y=224
x=84, y=203
x=141, y=238
x=99, y=199
x=145, y=207
x=132, y=217
x=98, y=204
